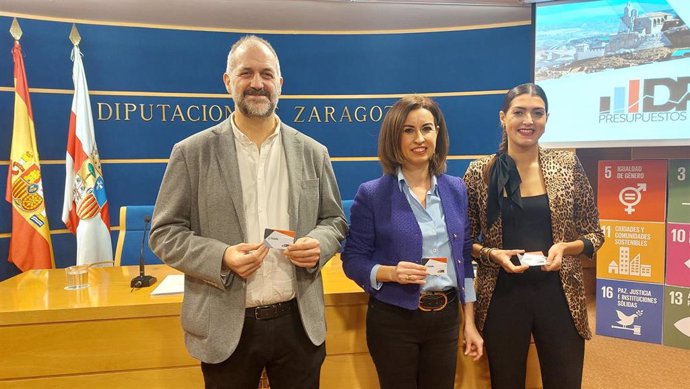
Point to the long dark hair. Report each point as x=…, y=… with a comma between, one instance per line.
x=522, y=89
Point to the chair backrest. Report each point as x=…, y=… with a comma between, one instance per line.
x=347, y=204
x=131, y=235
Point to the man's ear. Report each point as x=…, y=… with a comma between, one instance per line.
x=226, y=82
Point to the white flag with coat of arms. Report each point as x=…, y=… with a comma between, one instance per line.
x=85, y=209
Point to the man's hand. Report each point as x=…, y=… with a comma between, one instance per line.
x=244, y=258
x=305, y=252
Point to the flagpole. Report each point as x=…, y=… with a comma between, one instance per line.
x=85, y=209
x=30, y=243
x=74, y=36
x=15, y=30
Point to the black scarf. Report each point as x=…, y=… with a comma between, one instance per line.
x=504, y=176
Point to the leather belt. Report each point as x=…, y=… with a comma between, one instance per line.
x=271, y=311
x=436, y=301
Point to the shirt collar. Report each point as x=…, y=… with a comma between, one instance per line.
x=243, y=139
x=402, y=182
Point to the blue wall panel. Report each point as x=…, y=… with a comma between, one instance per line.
x=350, y=175
x=63, y=246
x=159, y=60
x=458, y=167
x=7, y=269
x=128, y=185
x=5, y=210
x=337, y=89
x=136, y=138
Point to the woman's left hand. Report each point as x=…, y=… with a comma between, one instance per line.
x=474, y=344
x=555, y=257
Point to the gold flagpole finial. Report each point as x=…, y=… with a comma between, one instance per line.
x=74, y=35
x=15, y=30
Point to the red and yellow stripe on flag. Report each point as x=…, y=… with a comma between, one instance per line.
x=30, y=245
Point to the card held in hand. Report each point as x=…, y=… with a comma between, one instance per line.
x=278, y=239
x=532, y=259
x=436, y=266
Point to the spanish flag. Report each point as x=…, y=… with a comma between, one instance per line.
x=30, y=245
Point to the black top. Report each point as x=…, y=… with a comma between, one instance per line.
x=528, y=228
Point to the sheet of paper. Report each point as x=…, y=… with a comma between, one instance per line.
x=532, y=259
x=171, y=284
x=436, y=266
x=278, y=239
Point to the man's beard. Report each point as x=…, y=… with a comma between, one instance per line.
x=254, y=108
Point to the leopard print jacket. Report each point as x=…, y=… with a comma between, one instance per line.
x=574, y=215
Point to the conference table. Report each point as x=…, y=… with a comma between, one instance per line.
x=111, y=336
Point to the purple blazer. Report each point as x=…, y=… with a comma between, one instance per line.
x=384, y=231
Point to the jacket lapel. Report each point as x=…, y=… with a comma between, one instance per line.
x=409, y=245
x=450, y=208
x=552, y=187
x=293, y=146
x=451, y=213
x=226, y=156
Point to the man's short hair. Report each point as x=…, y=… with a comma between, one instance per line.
x=250, y=40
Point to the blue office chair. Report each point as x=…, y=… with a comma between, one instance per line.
x=131, y=235
x=347, y=204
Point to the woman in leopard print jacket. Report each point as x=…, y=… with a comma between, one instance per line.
x=529, y=199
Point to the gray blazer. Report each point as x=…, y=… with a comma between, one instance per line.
x=199, y=213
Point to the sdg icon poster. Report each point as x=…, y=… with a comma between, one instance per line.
x=630, y=310
x=633, y=251
x=677, y=317
x=679, y=191
x=678, y=254
x=632, y=190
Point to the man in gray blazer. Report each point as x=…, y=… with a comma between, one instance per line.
x=247, y=306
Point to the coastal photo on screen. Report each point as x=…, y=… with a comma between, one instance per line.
x=617, y=71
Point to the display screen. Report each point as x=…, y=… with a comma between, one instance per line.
x=616, y=72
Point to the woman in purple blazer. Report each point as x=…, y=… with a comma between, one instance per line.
x=409, y=248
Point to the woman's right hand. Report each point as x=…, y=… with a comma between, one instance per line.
x=502, y=257
x=407, y=273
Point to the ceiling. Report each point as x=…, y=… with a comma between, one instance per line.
x=278, y=15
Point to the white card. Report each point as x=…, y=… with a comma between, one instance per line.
x=532, y=259
x=436, y=266
x=278, y=239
